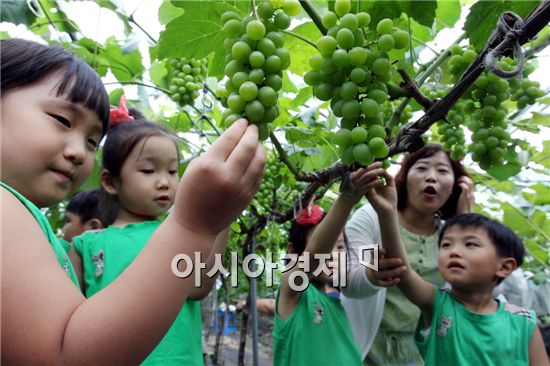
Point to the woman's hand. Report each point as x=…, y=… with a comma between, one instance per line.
x=383, y=197
x=466, y=198
x=361, y=181
x=389, y=270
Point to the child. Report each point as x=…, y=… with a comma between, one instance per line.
x=464, y=325
x=54, y=112
x=87, y=211
x=140, y=161
x=311, y=327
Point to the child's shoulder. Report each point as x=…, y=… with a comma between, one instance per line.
x=519, y=311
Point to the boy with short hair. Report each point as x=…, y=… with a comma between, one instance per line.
x=465, y=325
x=87, y=211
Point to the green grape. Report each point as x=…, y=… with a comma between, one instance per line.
x=378, y=147
x=256, y=76
x=342, y=7
x=241, y=51
x=326, y=45
x=268, y=96
x=248, y=91
x=358, y=135
x=323, y=91
x=363, y=19
x=359, y=75
x=228, y=15
x=272, y=64
x=277, y=39
x=274, y=81
x=349, y=21
x=358, y=56
x=369, y=107
x=378, y=95
x=340, y=58
x=343, y=138
x=401, y=39
x=292, y=7
x=345, y=38
x=350, y=109
x=385, y=26
x=232, y=27
x=282, y=20
x=347, y=156
x=377, y=131
x=362, y=154
x=315, y=62
x=236, y=103
x=256, y=59
x=239, y=78
x=266, y=46
x=312, y=77
x=386, y=43
x=255, y=30
x=329, y=19
x=381, y=66
x=255, y=110
x=265, y=10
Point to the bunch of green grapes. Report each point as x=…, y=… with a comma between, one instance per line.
x=451, y=132
x=255, y=61
x=355, y=79
x=523, y=91
x=264, y=198
x=460, y=60
x=488, y=121
x=187, y=77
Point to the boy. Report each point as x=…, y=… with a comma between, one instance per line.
x=87, y=211
x=465, y=325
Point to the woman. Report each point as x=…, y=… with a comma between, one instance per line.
x=430, y=187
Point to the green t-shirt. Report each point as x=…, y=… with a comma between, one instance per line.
x=458, y=336
x=316, y=333
x=106, y=254
x=55, y=242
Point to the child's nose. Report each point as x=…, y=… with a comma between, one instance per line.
x=75, y=151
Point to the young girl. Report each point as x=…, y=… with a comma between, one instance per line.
x=54, y=112
x=311, y=327
x=140, y=161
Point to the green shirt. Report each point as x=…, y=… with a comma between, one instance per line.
x=316, y=333
x=55, y=242
x=458, y=336
x=106, y=254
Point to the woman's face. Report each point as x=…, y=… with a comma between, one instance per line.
x=430, y=183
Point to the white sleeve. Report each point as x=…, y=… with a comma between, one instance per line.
x=363, y=229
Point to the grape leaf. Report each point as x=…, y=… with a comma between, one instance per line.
x=16, y=12
x=483, y=18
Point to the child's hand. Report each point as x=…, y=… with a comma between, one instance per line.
x=383, y=197
x=466, y=198
x=389, y=270
x=361, y=181
x=218, y=185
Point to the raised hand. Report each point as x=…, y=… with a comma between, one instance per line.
x=361, y=181
x=389, y=270
x=466, y=198
x=219, y=184
x=383, y=197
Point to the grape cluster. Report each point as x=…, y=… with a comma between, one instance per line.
x=523, y=91
x=355, y=79
x=460, y=60
x=488, y=121
x=451, y=132
x=264, y=198
x=255, y=60
x=186, y=79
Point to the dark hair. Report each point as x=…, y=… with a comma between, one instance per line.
x=91, y=204
x=26, y=63
x=507, y=243
x=122, y=138
x=449, y=208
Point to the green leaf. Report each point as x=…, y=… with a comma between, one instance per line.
x=541, y=195
x=59, y=19
x=114, y=96
x=505, y=171
x=168, y=12
x=112, y=5
x=303, y=95
x=543, y=157
x=514, y=219
x=447, y=13
x=484, y=15
x=297, y=134
x=125, y=66
x=159, y=75
x=300, y=51
x=16, y=12
x=422, y=11
x=198, y=32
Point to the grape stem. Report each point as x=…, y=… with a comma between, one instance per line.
x=300, y=37
x=203, y=116
x=413, y=90
x=254, y=10
x=284, y=157
x=314, y=15
x=133, y=21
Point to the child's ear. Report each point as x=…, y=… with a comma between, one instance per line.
x=108, y=182
x=93, y=224
x=507, y=266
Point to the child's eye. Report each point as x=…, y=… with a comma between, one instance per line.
x=172, y=172
x=445, y=245
x=471, y=244
x=64, y=121
x=93, y=143
x=147, y=171
x=443, y=171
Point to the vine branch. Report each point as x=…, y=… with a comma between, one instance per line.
x=314, y=15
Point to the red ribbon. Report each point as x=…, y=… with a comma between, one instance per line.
x=121, y=114
x=311, y=215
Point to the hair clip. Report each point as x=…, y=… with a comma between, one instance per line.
x=311, y=215
x=121, y=114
